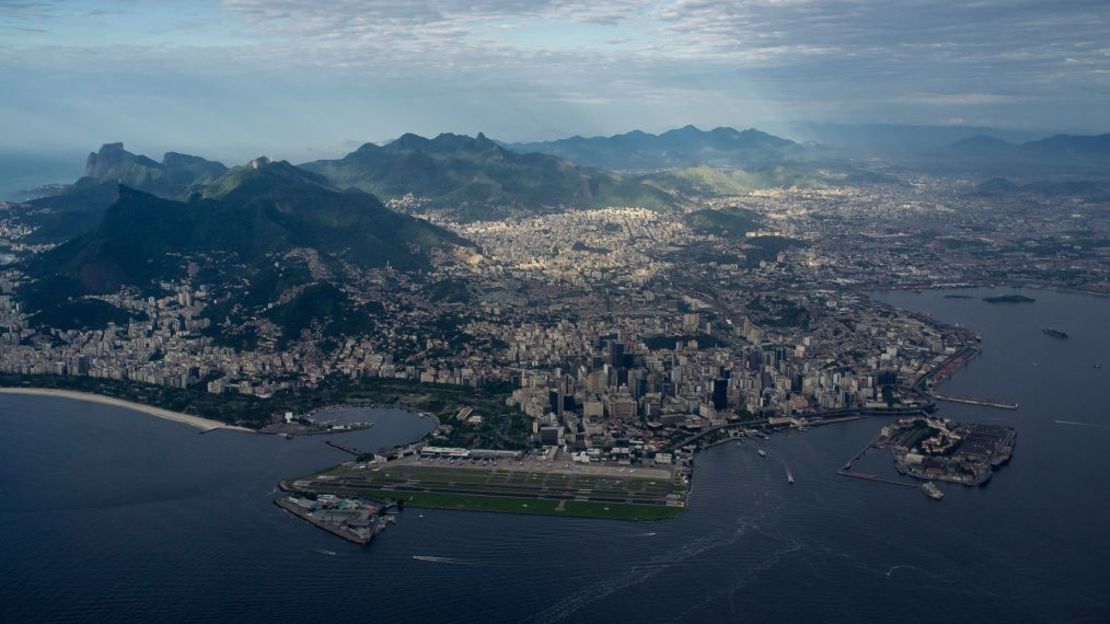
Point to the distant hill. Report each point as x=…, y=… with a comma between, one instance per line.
x=249, y=214
x=983, y=143
x=253, y=227
x=1060, y=152
x=170, y=178
x=475, y=175
x=703, y=181
x=682, y=147
x=78, y=208
x=1069, y=146
x=891, y=139
x=731, y=222
x=995, y=186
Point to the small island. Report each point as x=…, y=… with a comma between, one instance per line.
x=934, y=448
x=1009, y=299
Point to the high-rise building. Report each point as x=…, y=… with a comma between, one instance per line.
x=720, y=393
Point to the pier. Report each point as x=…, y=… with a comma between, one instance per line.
x=846, y=470
x=871, y=477
x=346, y=449
x=977, y=401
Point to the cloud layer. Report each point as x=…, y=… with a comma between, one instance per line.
x=321, y=73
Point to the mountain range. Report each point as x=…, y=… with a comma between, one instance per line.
x=264, y=229
x=475, y=176
x=1078, y=151
x=249, y=214
x=880, y=140
x=681, y=147
x=72, y=210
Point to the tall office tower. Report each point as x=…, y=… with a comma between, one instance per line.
x=720, y=393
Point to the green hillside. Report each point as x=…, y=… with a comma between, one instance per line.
x=476, y=175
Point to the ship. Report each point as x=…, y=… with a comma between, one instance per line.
x=762, y=453
x=932, y=491
x=1055, y=333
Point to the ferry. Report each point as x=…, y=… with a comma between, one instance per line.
x=932, y=491
x=1054, y=333
x=762, y=453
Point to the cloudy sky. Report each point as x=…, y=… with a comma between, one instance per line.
x=300, y=78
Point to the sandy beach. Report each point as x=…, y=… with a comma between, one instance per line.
x=193, y=421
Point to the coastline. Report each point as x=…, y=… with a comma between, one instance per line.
x=992, y=285
x=198, y=422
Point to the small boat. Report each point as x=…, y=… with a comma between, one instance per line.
x=932, y=491
x=789, y=477
x=1055, y=333
x=762, y=453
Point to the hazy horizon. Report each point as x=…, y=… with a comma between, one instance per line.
x=245, y=77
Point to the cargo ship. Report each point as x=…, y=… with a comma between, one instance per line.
x=1055, y=333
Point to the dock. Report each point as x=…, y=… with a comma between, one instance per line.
x=977, y=401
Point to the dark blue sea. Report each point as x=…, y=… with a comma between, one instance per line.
x=112, y=516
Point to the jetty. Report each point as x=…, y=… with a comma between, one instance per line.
x=847, y=469
x=346, y=449
x=977, y=401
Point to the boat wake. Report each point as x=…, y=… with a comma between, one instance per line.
x=740, y=582
x=1075, y=423
x=641, y=572
x=433, y=559
x=899, y=566
x=330, y=553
